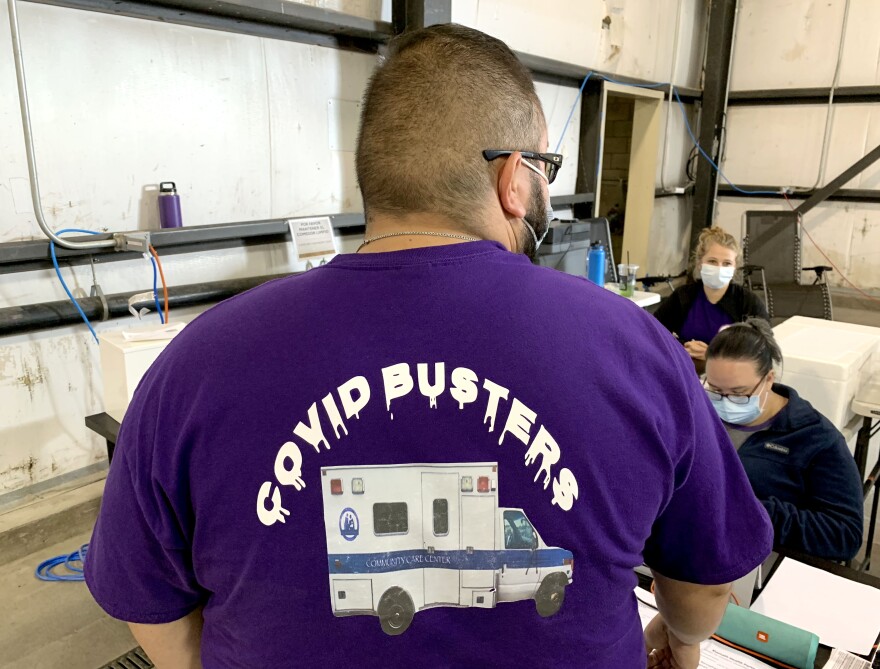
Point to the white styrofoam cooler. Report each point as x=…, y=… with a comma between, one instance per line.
x=123, y=363
x=827, y=362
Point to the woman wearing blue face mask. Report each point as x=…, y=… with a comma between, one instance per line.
x=695, y=312
x=798, y=463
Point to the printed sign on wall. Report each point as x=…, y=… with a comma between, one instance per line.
x=312, y=237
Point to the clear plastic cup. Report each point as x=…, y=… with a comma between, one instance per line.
x=628, y=286
x=621, y=278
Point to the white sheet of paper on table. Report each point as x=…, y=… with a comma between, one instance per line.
x=843, y=613
x=713, y=655
x=840, y=659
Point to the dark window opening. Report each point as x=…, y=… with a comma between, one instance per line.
x=441, y=517
x=390, y=518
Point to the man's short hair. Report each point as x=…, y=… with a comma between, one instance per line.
x=442, y=95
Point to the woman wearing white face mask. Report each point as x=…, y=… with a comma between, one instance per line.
x=797, y=462
x=695, y=312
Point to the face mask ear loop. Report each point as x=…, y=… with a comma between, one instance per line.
x=532, y=232
x=763, y=405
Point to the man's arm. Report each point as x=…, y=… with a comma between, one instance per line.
x=692, y=612
x=175, y=645
x=689, y=613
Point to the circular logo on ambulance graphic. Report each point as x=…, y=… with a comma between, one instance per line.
x=349, y=525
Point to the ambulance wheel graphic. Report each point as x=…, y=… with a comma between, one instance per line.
x=395, y=611
x=551, y=595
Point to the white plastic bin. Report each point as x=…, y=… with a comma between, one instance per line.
x=827, y=362
x=123, y=363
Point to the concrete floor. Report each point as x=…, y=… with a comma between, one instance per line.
x=54, y=625
x=870, y=316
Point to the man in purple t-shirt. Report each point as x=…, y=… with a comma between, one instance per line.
x=432, y=452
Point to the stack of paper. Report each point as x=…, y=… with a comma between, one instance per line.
x=840, y=659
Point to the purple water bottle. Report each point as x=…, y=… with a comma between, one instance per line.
x=169, y=205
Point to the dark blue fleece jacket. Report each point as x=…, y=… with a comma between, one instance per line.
x=802, y=471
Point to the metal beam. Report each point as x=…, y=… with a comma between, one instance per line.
x=589, y=141
x=409, y=15
x=842, y=195
x=569, y=74
x=804, y=96
x=659, y=192
x=722, y=20
x=275, y=19
x=837, y=183
x=32, y=255
x=568, y=200
x=46, y=315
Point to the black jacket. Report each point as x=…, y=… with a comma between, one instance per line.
x=738, y=302
x=803, y=473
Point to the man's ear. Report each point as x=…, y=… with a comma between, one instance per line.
x=513, y=189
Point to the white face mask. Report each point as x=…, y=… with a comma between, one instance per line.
x=739, y=414
x=550, y=216
x=716, y=277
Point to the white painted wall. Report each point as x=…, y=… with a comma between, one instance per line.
x=670, y=235
x=244, y=126
x=629, y=37
x=792, y=44
x=800, y=39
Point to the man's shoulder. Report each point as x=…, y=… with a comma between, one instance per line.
x=568, y=288
x=229, y=325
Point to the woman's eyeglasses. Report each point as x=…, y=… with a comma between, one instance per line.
x=715, y=396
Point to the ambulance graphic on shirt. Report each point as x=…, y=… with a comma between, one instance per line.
x=402, y=538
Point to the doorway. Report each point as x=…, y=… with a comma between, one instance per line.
x=630, y=139
x=616, y=149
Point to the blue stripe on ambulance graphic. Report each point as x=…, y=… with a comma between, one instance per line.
x=378, y=563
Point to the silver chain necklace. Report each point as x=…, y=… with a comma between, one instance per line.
x=451, y=235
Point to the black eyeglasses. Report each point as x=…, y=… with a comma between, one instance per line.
x=735, y=399
x=551, y=161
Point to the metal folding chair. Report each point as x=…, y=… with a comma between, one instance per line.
x=772, y=249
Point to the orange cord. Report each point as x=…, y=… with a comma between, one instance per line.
x=162, y=276
x=831, y=262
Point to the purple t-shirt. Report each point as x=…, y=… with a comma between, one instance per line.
x=703, y=321
x=439, y=457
